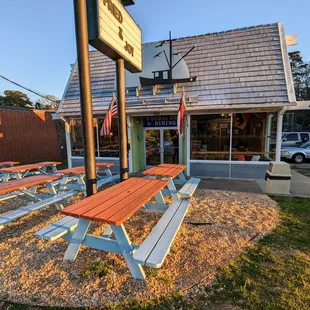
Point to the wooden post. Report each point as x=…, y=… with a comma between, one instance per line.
x=122, y=125
x=85, y=96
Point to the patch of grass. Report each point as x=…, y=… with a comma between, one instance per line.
x=98, y=269
x=274, y=275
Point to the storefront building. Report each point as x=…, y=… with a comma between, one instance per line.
x=237, y=86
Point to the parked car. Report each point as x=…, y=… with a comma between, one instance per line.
x=292, y=139
x=297, y=154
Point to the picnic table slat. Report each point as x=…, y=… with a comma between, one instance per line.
x=11, y=186
x=22, y=168
x=121, y=216
x=49, y=163
x=6, y=163
x=164, y=171
x=81, y=169
x=105, y=206
x=172, y=166
x=124, y=198
x=93, y=201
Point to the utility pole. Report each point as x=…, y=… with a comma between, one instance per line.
x=122, y=123
x=81, y=30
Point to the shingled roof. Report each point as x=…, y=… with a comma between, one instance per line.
x=247, y=66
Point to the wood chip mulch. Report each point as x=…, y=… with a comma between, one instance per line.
x=218, y=227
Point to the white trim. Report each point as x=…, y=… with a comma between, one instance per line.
x=188, y=144
x=286, y=64
x=227, y=162
x=68, y=143
x=279, y=136
x=66, y=88
x=230, y=141
x=130, y=139
x=104, y=158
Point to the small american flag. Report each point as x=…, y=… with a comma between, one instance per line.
x=181, y=114
x=107, y=122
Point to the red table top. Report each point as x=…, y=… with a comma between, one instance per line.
x=10, y=186
x=117, y=203
x=7, y=163
x=22, y=168
x=49, y=163
x=81, y=169
x=172, y=166
x=164, y=171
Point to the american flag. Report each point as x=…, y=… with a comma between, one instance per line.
x=107, y=122
x=181, y=114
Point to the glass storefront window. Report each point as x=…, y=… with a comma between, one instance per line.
x=108, y=145
x=249, y=137
x=210, y=137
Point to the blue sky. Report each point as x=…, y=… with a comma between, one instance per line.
x=38, y=38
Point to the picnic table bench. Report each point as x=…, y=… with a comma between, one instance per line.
x=174, y=174
x=114, y=206
x=24, y=170
x=28, y=189
x=77, y=174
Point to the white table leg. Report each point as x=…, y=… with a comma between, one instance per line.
x=52, y=191
x=107, y=232
x=77, y=240
x=127, y=251
x=172, y=189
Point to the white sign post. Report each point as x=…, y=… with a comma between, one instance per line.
x=113, y=32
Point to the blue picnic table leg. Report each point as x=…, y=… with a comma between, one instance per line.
x=5, y=177
x=77, y=240
x=52, y=191
x=63, y=183
x=54, y=169
x=127, y=251
x=107, y=232
x=172, y=189
x=81, y=182
x=109, y=174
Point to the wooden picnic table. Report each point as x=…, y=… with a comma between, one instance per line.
x=10, y=186
x=77, y=174
x=23, y=170
x=27, y=187
x=4, y=164
x=113, y=206
x=171, y=172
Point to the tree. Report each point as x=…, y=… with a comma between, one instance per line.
x=15, y=98
x=301, y=76
x=50, y=102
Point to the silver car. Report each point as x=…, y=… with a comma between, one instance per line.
x=297, y=154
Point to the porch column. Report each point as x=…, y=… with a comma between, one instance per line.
x=68, y=143
x=279, y=135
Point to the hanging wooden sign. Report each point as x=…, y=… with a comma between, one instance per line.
x=113, y=32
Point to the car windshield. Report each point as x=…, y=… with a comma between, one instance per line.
x=305, y=145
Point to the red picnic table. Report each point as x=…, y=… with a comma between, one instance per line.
x=22, y=171
x=27, y=188
x=5, y=164
x=174, y=174
x=114, y=206
x=77, y=174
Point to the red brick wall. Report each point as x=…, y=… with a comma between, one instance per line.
x=28, y=136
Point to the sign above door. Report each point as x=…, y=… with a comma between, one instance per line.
x=161, y=121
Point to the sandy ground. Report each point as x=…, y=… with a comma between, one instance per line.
x=33, y=271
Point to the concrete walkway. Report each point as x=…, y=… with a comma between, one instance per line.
x=300, y=185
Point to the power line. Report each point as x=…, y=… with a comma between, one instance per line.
x=28, y=89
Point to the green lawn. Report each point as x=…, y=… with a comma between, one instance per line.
x=273, y=275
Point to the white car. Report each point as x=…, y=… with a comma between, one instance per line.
x=296, y=154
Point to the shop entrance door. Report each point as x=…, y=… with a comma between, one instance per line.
x=161, y=146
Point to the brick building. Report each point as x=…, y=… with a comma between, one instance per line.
x=28, y=135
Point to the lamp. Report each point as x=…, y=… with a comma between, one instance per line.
x=128, y=2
